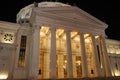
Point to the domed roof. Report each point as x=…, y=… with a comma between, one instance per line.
x=51, y=4
x=25, y=12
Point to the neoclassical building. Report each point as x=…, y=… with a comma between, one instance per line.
x=54, y=40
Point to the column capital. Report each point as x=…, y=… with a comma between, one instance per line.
x=36, y=26
x=52, y=28
x=67, y=30
x=81, y=33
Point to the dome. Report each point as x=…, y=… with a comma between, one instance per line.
x=51, y=4
x=25, y=13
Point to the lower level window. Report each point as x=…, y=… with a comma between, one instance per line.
x=21, y=61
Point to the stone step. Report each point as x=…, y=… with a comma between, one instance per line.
x=97, y=78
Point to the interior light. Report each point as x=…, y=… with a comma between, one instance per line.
x=96, y=36
x=65, y=61
x=87, y=40
x=117, y=73
x=77, y=39
x=78, y=62
x=42, y=27
x=64, y=37
x=3, y=76
x=73, y=34
x=42, y=34
x=86, y=35
x=60, y=32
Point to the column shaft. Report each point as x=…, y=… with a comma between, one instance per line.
x=95, y=55
x=83, y=57
x=105, y=57
x=53, y=54
x=35, y=53
x=69, y=54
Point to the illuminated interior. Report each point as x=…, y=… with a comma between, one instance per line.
x=113, y=49
x=99, y=46
x=76, y=54
x=89, y=54
x=3, y=75
x=62, y=67
x=61, y=49
x=61, y=53
x=44, y=67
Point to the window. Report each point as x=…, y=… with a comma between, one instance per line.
x=21, y=61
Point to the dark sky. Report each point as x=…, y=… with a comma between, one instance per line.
x=105, y=10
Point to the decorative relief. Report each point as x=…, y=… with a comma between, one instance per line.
x=7, y=37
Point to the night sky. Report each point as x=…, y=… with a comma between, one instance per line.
x=107, y=11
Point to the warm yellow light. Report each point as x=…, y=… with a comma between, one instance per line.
x=77, y=39
x=65, y=61
x=64, y=66
x=42, y=34
x=9, y=42
x=87, y=40
x=117, y=73
x=86, y=35
x=3, y=76
x=59, y=32
x=73, y=34
x=7, y=37
x=44, y=30
x=78, y=62
x=96, y=36
x=64, y=37
x=117, y=51
x=42, y=27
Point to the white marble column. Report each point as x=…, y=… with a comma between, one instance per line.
x=35, y=53
x=83, y=56
x=105, y=57
x=53, y=54
x=69, y=54
x=95, y=56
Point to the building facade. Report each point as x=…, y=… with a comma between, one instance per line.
x=56, y=40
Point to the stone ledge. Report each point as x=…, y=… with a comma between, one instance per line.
x=97, y=78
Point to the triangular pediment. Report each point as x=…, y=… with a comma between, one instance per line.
x=72, y=13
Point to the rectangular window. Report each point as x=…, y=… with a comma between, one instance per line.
x=21, y=60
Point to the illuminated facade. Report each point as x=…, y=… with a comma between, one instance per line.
x=56, y=40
